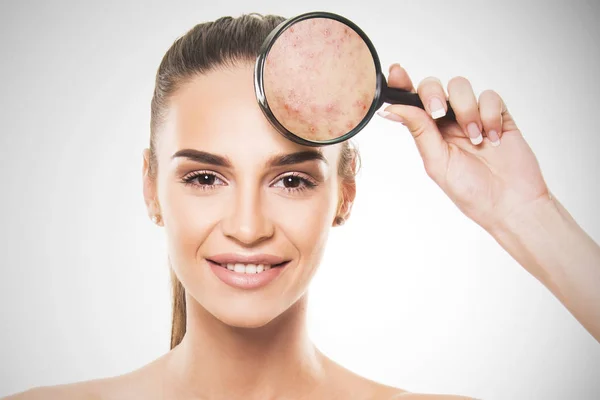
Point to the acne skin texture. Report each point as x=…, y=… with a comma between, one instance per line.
x=319, y=79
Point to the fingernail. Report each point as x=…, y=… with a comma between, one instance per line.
x=390, y=116
x=436, y=107
x=494, y=138
x=474, y=133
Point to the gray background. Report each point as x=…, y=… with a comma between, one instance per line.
x=410, y=293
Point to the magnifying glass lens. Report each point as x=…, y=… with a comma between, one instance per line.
x=319, y=79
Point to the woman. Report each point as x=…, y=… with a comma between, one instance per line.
x=233, y=194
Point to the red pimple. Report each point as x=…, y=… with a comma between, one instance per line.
x=327, y=32
x=292, y=29
x=359, y=104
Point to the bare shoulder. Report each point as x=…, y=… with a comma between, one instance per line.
x=357, y=386
x=140, y=383
x=80, y=390
x=116, y=387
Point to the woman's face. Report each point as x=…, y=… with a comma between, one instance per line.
x=249, y=192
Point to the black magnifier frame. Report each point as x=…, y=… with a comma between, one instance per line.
x=383, y=93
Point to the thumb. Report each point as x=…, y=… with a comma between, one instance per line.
x=432, y=147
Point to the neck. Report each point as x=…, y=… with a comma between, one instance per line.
x=217, y=361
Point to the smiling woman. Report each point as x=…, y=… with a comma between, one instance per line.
x=247, y=214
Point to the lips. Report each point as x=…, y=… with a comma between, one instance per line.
x=255, y=271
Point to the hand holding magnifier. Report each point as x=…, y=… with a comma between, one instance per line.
x=318, y=80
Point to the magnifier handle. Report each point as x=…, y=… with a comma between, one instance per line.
x=400, y=96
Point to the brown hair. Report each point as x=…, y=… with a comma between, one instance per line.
x=223, y=42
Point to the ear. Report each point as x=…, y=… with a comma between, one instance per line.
x=347, y=196
x=149, y=186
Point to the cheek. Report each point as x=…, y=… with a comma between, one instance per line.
x=305, y=223
x=191, y=220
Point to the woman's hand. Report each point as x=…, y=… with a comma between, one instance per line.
x=496, y=181
x=481, y=161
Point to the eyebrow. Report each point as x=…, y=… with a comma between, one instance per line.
x=278, y=160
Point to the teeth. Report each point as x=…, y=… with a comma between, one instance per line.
x=247, y=268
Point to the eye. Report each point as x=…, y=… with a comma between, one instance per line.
x=203, y=179
x=295, y=182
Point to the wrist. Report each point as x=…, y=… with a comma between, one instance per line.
x=528, y=218
x=539, y=236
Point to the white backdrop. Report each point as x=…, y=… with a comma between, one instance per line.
x=428, y=301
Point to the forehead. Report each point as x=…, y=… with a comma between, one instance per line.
x=218, y=112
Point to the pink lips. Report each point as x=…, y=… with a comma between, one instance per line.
x=242, y=280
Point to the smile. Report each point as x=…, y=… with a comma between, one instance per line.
x=246, y=272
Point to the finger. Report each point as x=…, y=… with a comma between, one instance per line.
x=463, y=102
x=433, y=97
x=508, y=122
x=490, y=112
x=432, y=147
x=398, y=78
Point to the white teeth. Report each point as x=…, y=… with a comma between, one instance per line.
x=239, y=268
x=247, y=268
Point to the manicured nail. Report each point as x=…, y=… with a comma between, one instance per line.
x=494, y=138
x=437, y=108
x=474, y=133
x=390, y=116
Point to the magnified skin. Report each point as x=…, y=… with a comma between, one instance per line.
x=319, y=79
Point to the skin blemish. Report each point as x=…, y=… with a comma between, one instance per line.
x=292, y=29
x=360, y=104
x=327, y=32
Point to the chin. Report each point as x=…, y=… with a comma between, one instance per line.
x=246, y=316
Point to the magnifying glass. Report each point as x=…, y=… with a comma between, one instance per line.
x=318, y=80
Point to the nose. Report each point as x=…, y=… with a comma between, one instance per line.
x=247, y=223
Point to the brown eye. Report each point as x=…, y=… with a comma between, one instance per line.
x=206, y=179
x=203, y=180
x=292, y=182
x=295, y=183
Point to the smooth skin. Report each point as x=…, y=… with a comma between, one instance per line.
x=499, y=186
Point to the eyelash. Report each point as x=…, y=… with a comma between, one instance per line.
x=190, y=179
